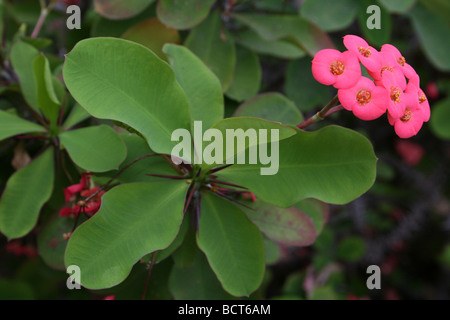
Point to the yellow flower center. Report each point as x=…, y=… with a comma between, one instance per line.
x=395, y=94
x=422, y=98
x=337, y=68
x=401, y=61
x=363, y=97
x=386, y=68
x=407, y=116
x=365, y=52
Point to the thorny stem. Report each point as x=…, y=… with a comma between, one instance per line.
x=322, y=114
x=150, y=267
x=173, y=165
x=103, y=187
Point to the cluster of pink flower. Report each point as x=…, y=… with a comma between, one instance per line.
x=395, y=86
x=75, y=194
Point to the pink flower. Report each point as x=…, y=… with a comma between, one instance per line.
x=407, y=70
x=388, y=64
x=410, y=123
x=396, y=106
x=410, y=152
x=366, y=54
x=424, y=106
x=364, y=99
x=332, y=67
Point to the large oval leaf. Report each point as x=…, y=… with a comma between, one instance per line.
x=334, y=165
x=337, y=15
x=238, y=134
x=124, y=81
x=247, y=75
x=432, y=29
x=271, y=106
x=119, y=9
x=278, y=48
x=202, y=88
x=12, y=125
x=197, y=282
x=26, y=192
x=286, y=226
x=183, y=14
x=233, y=245
x=133, y=220
x=214, y=47
x=96, y=149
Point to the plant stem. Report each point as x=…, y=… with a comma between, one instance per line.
x=322, y=114
x=103, y=187
x=44, y=13
x=150, y=267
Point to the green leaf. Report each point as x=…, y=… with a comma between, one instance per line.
x=432, y=29
x=273, y=251
x=141, y=92
x=22, y=58
x=138, y=147
x=398, y=6
x=96, y=149
x=301, y=87
x=12, y=125
x=119, y=9
x=198, y=282
x=286, y=226
x=201, y=87
x=296, y=29
x=245, y=129
x=440, y=119
x=133, y=220
x=233, y=246
x=278, y=48
x=183, y=14
x=214, y=46
x=76, y=115
x=16, y=290
x=376, y=37
x=247, y=75
x=337, y=15
x=186, y=254
x=334, y=165
x=176, y=243
x=51, y=243
x=26, y=192
x=351, y=249
x=47, y=100
x=316, y=210
x=152, y=34
x=271, y=106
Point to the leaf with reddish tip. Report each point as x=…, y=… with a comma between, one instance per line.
x=152, y=34
x=287, y=226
